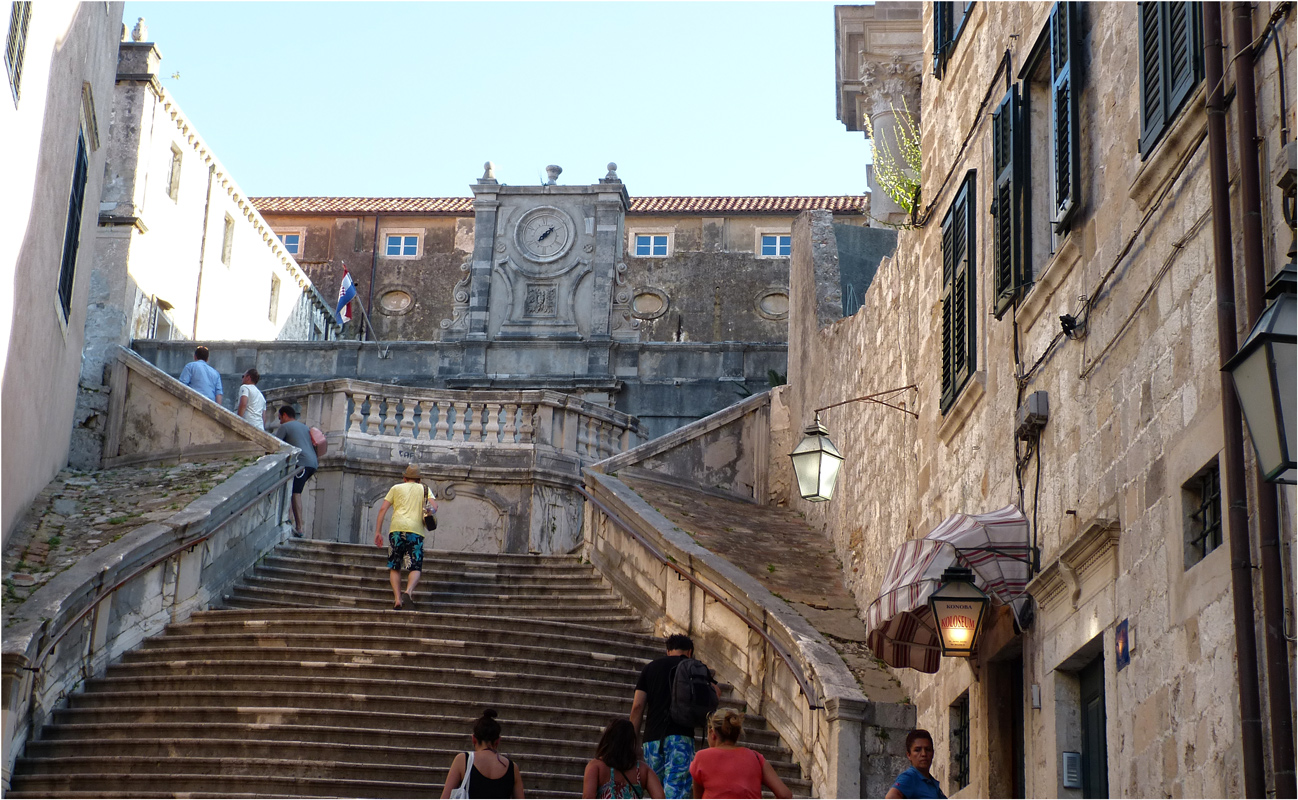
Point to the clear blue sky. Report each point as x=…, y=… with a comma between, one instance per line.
x=410, y=98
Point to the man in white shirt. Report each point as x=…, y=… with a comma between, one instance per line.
x=252, y=405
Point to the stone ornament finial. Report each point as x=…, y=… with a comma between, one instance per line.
x=140, y=32
x=552, y=174
x=612, y=172
x=488, y=171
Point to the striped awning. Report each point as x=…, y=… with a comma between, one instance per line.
x=994, y=545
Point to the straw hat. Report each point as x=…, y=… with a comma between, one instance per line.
x=412, y=472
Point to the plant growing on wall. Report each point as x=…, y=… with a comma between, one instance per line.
x=897, y=173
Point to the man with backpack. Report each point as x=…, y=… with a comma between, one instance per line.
x=675, y=695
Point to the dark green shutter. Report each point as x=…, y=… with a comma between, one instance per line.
x=948, y=334
x=943, y=19
x=72, y=231
x=1006, y=270
x=1151, y=75
x=1182, y=56
x=1063, y=46
x=964, y=292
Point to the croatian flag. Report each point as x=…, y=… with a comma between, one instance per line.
x=345, y=294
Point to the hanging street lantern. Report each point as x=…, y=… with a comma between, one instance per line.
x=958, y=608
x=815, y=463
x=1266, y=380
x=816, y=460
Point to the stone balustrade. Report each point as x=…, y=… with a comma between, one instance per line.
x=462, y=418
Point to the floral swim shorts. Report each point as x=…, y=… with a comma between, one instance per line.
x=406, y=551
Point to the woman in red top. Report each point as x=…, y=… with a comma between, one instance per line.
x=727, y=770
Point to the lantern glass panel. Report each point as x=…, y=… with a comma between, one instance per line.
x=958, y=608
x=815, y=464
x=1253, y=385
x=829, y=465
x=1286, y=379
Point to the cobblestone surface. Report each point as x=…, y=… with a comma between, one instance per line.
x=793, y=561
x=79, y=512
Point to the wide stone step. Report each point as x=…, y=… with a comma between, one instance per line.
x=517, y=595
x=384, y=627
x=136, y=736
x=343, y=575
x=186, y=646
x=437, y=658
x=273, y=779
x=434, y=568
x=397, y=714
x=349, y=553
x=534, y=629
x=365, y=669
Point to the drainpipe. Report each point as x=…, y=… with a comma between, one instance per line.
x=1232, y=456
x=374, y=265
x=202, y=248
x=1268, y=522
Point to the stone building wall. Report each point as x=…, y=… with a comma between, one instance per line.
x=66, y=87
x=713, y=286
x=1134, y=415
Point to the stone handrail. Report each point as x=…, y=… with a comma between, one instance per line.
x=826, y=740
x=74, y=626
x=481, y=418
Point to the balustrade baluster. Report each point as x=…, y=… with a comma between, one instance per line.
x=423, y=408
x=457, y=430
x=491, y=431
x=407, y=417
x=475, y=424
x=583, y=432
x=526, y=429
x=443, y=423
x=355, y=421
x=510, y=430
x=374, y=422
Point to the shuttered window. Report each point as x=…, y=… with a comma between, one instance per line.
x=958, y=290
x=1063, y=95
x=1006, y=207
x=1171, y=42
x=20, y=16
x=948, y=22
x=72, y=233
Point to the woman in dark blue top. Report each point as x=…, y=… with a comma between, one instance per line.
x=916, y=781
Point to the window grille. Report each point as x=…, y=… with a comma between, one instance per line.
x=20, y=16
x=72, y=233
x=1203, y=522
x=960, y=743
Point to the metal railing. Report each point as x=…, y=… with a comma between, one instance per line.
x=807, y=689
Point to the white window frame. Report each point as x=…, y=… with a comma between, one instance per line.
x=418, y=233
x=300, y=233
x=758, y=233
x=633, y=233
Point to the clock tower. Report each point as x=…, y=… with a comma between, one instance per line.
x=546, y=268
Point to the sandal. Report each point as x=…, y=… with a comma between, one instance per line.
x=397, y=607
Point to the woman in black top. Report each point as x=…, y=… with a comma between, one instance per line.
x=492, y=775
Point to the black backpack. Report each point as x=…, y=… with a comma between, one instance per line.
x=693, y=697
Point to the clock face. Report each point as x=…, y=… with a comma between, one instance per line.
x=544, y=234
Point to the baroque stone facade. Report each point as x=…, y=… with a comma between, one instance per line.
x=1117, y=482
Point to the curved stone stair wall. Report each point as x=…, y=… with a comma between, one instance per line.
x=308, y=684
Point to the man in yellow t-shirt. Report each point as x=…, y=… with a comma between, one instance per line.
x=405, y=538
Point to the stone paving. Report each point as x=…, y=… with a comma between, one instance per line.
x=795, y=562
x=79, y=512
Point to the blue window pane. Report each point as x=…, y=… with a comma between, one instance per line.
x=411, y=246
x=643, y=245
x=290, y=241
x=660, y=245
x=769, y=245
x=786, y=245
x=394, y=245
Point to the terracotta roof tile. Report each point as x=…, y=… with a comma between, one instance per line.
x=463, y=206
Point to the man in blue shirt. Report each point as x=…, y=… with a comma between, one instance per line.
x=199, y=376
x=916, y=780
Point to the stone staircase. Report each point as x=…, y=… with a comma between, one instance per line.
x=308, y=684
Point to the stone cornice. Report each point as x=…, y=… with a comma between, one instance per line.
x=1086, y=564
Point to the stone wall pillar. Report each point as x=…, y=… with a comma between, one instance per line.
x=879, y=58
